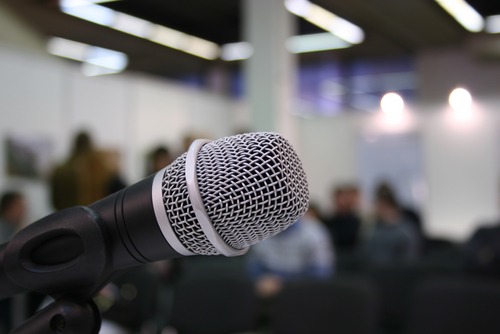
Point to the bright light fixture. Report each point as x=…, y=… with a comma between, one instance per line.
x=464, y=14
x=132, y=25
x=95, y=60
x=91, y=12
x=77, y=3
x=294, y=44
x=392, y=104
x=236, y=51
x=461, y=104
x=184, y=42
x=315, y=42
x=68, y=49
x=326, y=20
x=342, y=34
x=460, y=99
x=492, y=24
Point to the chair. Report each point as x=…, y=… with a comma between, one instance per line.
x=214, y=305
x=396, y=285
x=457, y=305
x=346, y=306
x=137, y=300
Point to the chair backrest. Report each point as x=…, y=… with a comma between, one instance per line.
x=396, y=285
x=456, y=305
x=347, y=306
x=218, y=305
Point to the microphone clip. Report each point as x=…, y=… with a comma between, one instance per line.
x=63, y=255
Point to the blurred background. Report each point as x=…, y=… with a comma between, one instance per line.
x=394, y=94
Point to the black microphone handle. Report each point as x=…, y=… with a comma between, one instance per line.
x=74, y=252
x=129, y=215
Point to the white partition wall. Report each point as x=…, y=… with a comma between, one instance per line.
x=48, y=98
x=460, y=169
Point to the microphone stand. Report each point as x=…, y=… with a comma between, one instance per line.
x=66, y=258
x=65, y=315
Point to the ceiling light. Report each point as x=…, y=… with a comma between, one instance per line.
x=461, y=104
x=201, y=48
x=326, y=20
x=492, y=24
x=392, y=104
x=460, y=99
x=106, y=58
x=91, y=70
x=74, y=3
x=95, y=60
x=141, y=28
x=77, y=3
x=67, y=49
x=298, y=7
x=464, y=14
x=315, y=42
x=132, y=25
x=91, y=12
x=166, y=36
x=236, y=51
x=180, y=41
x=294, y=44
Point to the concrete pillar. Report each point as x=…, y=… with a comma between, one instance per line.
x=269, y=75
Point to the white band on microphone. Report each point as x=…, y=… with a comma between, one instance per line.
x=199, y=207
x=161, y=215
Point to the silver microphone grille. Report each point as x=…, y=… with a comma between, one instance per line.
x=252, y=186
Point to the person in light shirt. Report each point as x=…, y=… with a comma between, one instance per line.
x=393, y=240
x=303, y=251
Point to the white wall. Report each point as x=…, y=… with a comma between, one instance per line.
x=460, y=162
x=47, y=97
x=31, y=104
x=328, y=150
x=462, y=169
x=461, y=157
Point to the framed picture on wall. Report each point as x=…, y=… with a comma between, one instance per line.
x=28, y=156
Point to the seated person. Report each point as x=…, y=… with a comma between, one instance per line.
x=344, y=224
x=393, y=240
x=482, y=252
x=302, y=251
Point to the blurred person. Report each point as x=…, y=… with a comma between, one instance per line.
x=481, y=252
x=159, y=158
x=189, y=137
x=392, y=240
x=83, y=178
x=313, y=214
x=12, y=213
x=115, y=182
x=166, y=272
x=303, y=251
x=345, y=223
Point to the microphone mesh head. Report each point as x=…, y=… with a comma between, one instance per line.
x=253, y=186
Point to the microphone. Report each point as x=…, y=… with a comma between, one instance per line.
x=218, y=198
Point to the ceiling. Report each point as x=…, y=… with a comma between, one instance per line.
x=393, y=28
